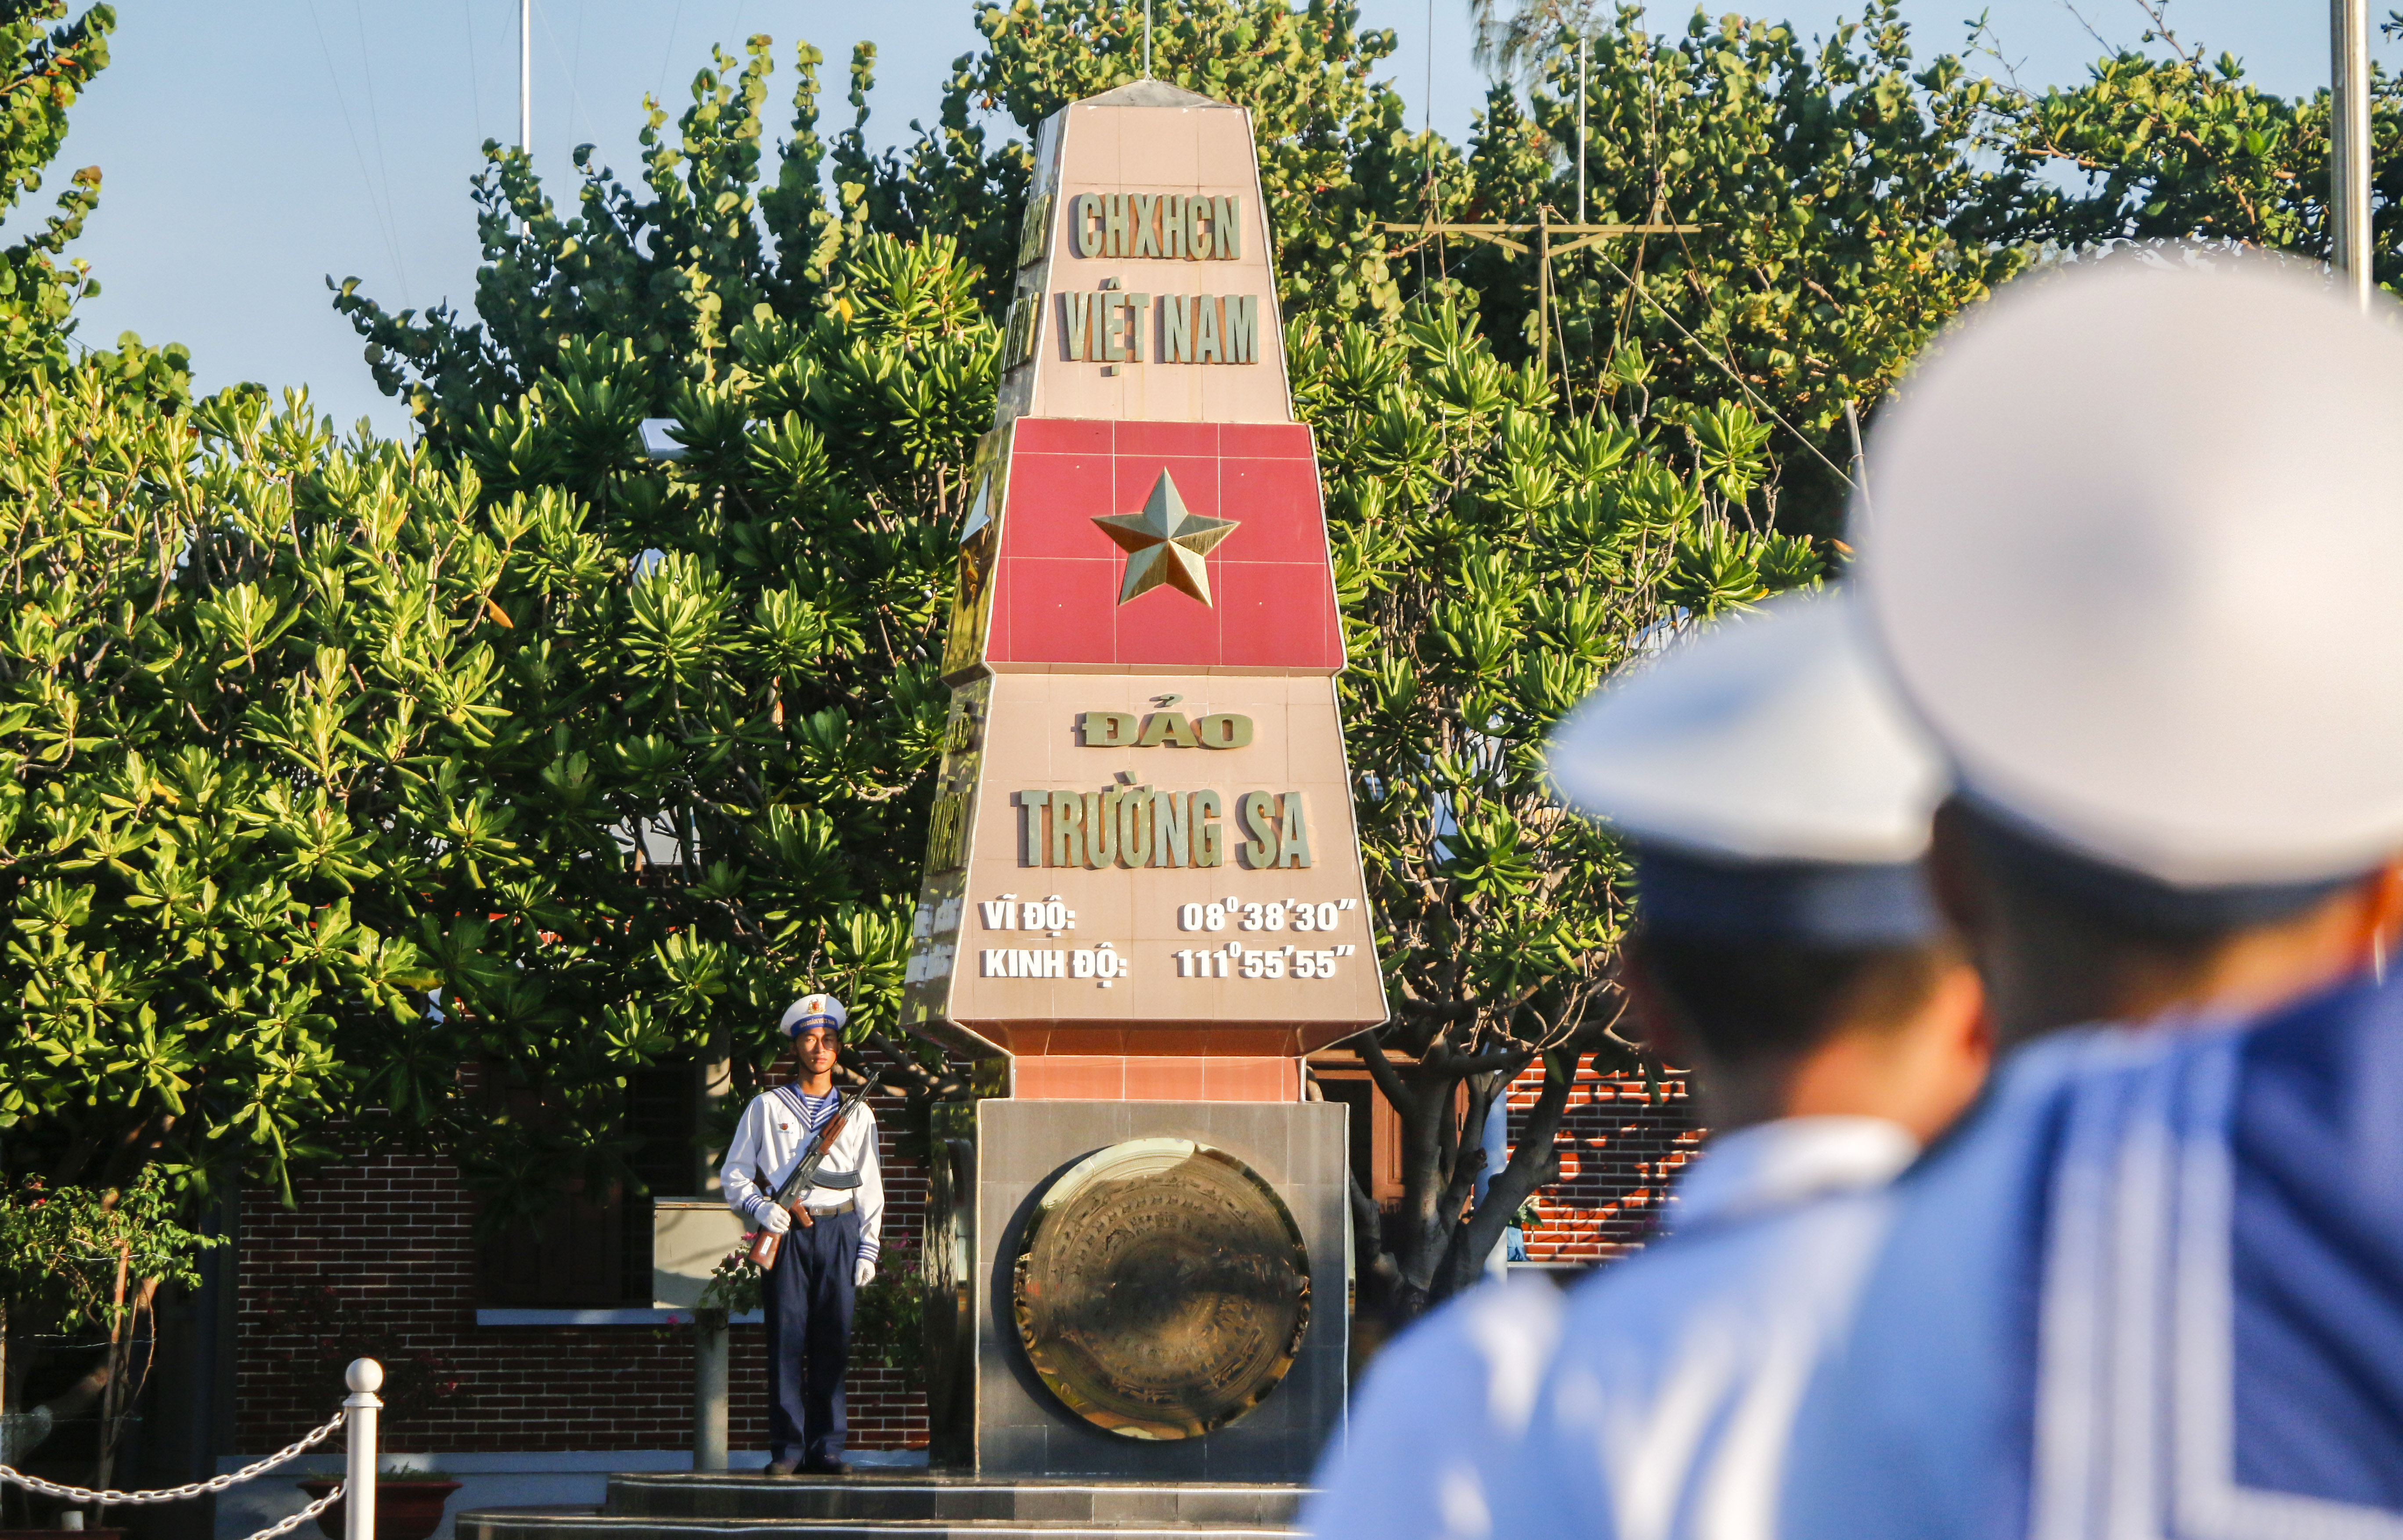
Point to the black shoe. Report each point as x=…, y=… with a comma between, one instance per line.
x=826, y=1467
x=782, y=1467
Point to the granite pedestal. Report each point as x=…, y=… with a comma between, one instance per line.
x=990, y=1412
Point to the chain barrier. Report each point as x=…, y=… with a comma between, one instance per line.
x=190, y=1489
x=286, y=1526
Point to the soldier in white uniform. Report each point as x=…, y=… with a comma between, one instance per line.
x=829, y=1244
x=2130, y=561
x=1788, y=952
x=2148, y=607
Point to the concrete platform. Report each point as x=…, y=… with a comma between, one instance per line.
x=929, y=1506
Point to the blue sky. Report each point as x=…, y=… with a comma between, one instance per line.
x=250, y=150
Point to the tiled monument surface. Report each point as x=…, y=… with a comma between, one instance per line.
x=1143, y=648
x=1144, y=900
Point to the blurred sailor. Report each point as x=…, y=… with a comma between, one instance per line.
x=2131, y=558
x=829, y=1236
x=1789, y=952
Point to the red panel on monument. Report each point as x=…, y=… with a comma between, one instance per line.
x=1059, y=575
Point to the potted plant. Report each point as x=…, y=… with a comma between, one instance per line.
x=79, y=1268
x=333, y=1329
x=408, y=1507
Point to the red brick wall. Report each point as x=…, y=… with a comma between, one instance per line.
x=1619, y=1142
x=390, y=1239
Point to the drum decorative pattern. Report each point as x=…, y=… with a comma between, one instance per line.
x=1161, y=1289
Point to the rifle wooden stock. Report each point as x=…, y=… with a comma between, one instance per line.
x=765, y=1244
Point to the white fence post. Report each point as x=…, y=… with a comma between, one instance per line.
x=365, y=1377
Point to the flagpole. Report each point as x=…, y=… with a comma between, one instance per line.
x=525, y=78
x=1581, y=116
x=2349, y=143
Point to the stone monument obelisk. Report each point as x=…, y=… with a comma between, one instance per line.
x=1144, y=900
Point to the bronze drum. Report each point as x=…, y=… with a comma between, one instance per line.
x=1162, y=1288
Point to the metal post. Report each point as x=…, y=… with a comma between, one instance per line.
x=2349, y=143
x=1147, y=40
x=1544, y=287
x=713, y=1083
x=709, y=1371
x=1860, y=458
x=365, y=1377
x=525, y=75
x=1581, y=104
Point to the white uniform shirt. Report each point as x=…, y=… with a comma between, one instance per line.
x=1439, y=1404
x=1676, y=1373
x=769, y=1142
x=1450, y=1439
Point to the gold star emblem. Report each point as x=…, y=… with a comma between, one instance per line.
x=1165, y=544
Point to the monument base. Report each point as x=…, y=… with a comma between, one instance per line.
x=991, y=1411
x=905, y=1504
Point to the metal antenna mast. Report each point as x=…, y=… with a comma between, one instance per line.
x=2349, y=138
x=1581, y=116
x=525, y=76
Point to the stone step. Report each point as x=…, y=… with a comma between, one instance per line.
x=921, y=1494
x=592, y=1524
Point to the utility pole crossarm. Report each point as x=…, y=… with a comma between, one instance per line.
x=1597, y=232
x=1499, y=235
x=1490, y=234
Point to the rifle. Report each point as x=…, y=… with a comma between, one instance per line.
x=804, y=1175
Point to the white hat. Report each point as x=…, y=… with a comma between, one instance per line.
x=814, y=1010
x=1774, y=788
x=2131, y=549
x=1765, y=737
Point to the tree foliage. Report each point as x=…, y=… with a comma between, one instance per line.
x=73, y=1258
x=1842, y=215
x=1494, y=562
x=1335, y=158
x=2178, y=145
x=298, y=729
x=332, y=765
x=46, y=69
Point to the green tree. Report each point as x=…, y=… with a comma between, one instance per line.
x=297, y=731
x=301, y=737
x=72, y=1259
x=1335, y=156
x=1496, y=560
x=743, y=655
x=1486, y=518
x=768, y=694
x=46, y=69
x=242, y=692
x=668, y=268
x=2176, y=145
x=1844, y=213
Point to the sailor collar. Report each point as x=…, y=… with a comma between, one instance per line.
x=1786, y=1163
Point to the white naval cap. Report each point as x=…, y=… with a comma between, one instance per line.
x=814, y=1010
x=2130, y=547
x=1771, y=736
x=1771, y=784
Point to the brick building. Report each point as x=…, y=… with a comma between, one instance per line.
x=527, y=1369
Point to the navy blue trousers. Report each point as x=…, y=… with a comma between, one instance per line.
x=809, y=1338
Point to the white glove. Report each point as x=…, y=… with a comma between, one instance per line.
x=861, y=1271
x=778, y=1220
